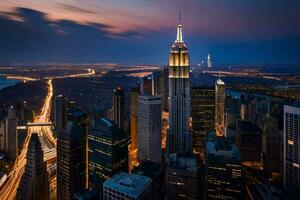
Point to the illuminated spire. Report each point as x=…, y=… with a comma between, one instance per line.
x=179, y=29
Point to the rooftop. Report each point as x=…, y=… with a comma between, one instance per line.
x=220, y=82
x=247, y=126
x=221, y=147
x=132, y=185
x=183, y=161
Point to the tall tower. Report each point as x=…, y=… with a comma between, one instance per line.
x=291, y=162
x=179, y=96
x=220, y=107
x=34, y=182
x=71, y=156
x=209, y=61
x=149, y=128
x=118, y=107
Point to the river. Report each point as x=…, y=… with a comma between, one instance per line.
x=4, y=82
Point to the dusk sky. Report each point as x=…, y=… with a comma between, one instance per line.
x=142, y=31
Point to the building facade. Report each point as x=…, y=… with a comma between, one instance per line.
x=71, y=156
x=291, y=159
x=182, y=177
x=203, y=115
x=34, y=182
x=249, y=141
x=108, y=151
x=220, y=107
x=223, y=169
x=119, y=107
x=178, y=139
x=149, y=128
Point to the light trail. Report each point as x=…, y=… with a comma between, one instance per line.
x=9, y=188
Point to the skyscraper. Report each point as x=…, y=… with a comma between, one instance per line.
x=291, y=161
x=203, y=114
x=248, y=138
x=220, y=107
x=223, y=169
x=179, y=96
x=119, y=107
x=133, y=117
x=271, y=144
x=12, y=137
x=209, y=61
x=60, y=113
x=108, y=151
x=149, y=128
x=34, y=182
x=163, y=88
x=182, y=177
x=71, y=156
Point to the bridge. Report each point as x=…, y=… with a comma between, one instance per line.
x=33, y=124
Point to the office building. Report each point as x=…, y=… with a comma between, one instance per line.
x=223, y=169
x=220, y=107
x=243, y=108
x=133, y=127
x=203, y=114
x=108, y=151
x=149, y=128
x=182, y=177
x=163, y=88
x=71, y=156
x=12, y=137
x=179, y=136
x=249, y=141
x=119, y=107
x=209, y=61
x=271, y=144
x=126, y=186
x=291, y=153
x=60, y=113
x=34, y=182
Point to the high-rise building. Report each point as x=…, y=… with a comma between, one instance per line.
x=182, y=177
x=179, y=136
x=220, y=106
x=203, y=114
x=108, y=151
x=209, y=61
x=271, y=144
x=149, y=128
x=291, y=155
x=163, y=87
x=60, y=113
x=71, y=156
x=223, y=169
x=12, y=137
x=3, y=129
x=127, y=186
x=133, y=117
x=34, y=182
x=243, y=108
x=248, y=138
x=119, y=107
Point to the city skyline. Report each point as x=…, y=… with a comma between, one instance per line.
x=180, y=130
x=234, y=31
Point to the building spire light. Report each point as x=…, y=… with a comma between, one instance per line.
x=179, y=29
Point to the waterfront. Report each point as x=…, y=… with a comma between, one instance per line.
x=4, y=82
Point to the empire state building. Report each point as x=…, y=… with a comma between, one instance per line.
x=179, y=138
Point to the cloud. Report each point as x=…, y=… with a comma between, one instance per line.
x=75, y=8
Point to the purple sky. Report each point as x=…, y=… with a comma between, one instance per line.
x=141, y=31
